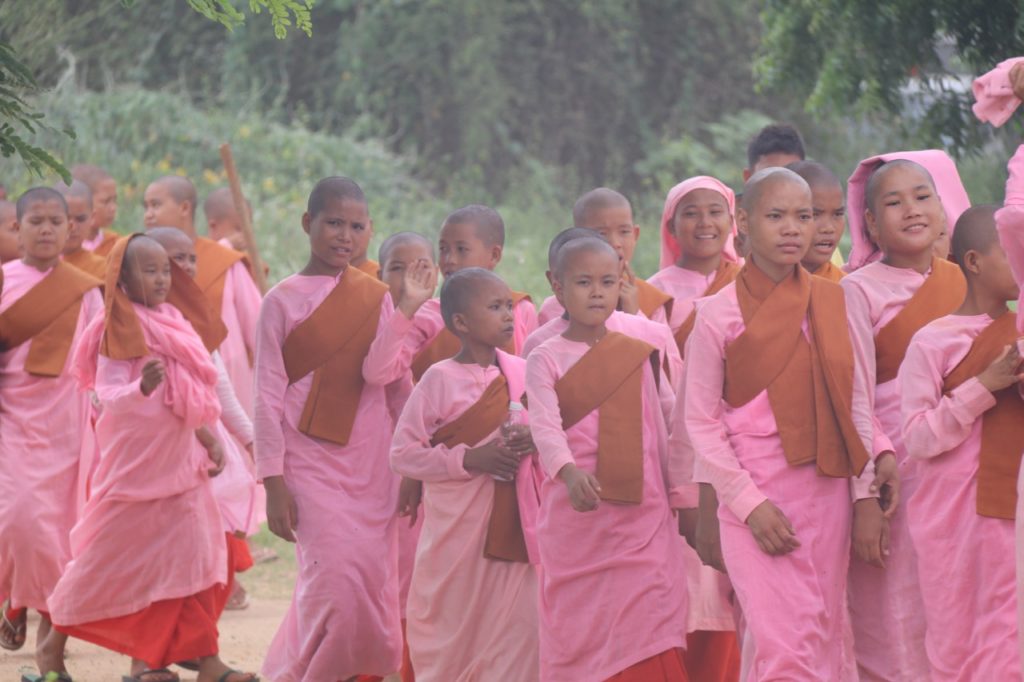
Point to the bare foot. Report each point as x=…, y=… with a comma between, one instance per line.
x=50, y=653
x=141, y=671
x=212, y=669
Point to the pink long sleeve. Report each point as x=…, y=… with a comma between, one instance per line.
x=115, y=388
x=1010, y=224
x=382, y=366
x=247, y=300
x=934, y=423
x=231, y=412
x=995, y=101
x=271, y=383
x=412, y=455
x=545, y=416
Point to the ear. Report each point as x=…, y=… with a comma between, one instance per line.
x=16, y=227
x=971, y=262
x=306, y=220
x=872, y=226
x=636, y=233
x=551, y=279
x=459, y=322
x=556, y=288
x=746, y=175
x=743, y=222
x=496, y=251
x=369, y=228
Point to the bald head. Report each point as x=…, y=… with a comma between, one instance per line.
x=180, y=189
x=400, y=239
x=762, y=182
x=76, y=190
x=334, y=188
x=90, y=175
x=138, y=246
x=576, y=248
x=563, y=238
x=815, y=174
x=975, y=231
x=596, y=200
x=169, y=237
x=487, y=223
x=38, y=194
x=220, y=205
x=461, y=288
x=872, y=190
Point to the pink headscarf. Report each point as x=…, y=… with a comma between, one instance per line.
x=670, y=250
x=994, y=98
x=947, y=183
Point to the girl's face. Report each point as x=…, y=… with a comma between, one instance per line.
x=702, y=223
x=907, y=215
x=146, y=274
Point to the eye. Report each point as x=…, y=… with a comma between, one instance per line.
x=892, y=202
x=774, y=215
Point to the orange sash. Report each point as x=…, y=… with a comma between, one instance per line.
x=371, y=268
x=48, y=315
x=651, y=298
x=830, y=272
x=106, y=245
x=122, y=333
x=446, y=345
x=213, y=262
x=505, y=540
x=810, y=385
x=1002, y=426
x=186, y=296
x=332, y=343
x=609, y=379
x=89, y=262
x=726, y=273
x=941, y=294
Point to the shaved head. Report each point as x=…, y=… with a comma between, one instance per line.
x=90, y=174
x=490, y=228
x=576, y=247
x=459, y=289
x=975, y=231
x=334, y=188
x=220, y=204
x=169, y=236
x=816, y=174
x=563, y=238
x=35, y=194
x=403, y=239
x=138, y=245
x=595, y=200
x=874, y=185
x=763, y=180
x=180, y=188
x=76, y=190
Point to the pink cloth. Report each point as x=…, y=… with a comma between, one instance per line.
x=886, y=610
x=42, y=424
x=151, y=494
x=240, y=311
x=549, y=310
x=947, y=182
x=637, y=326
x=685, y=287
x=613, y=585
x=1010, y=224
x=791, y=603
x=469, y=618
x=965, y=561
x=344, y=617
x=235, y=489
x=670, y=250
x=994, y=98
x=408, y=535
x=91, y=244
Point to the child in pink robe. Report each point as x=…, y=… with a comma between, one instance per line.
x=791, y=585
x=336, y=501
x=150, y=492
x=887, y=615
x=240, y=311
x=44, y=419
x=471, y=616
x=613, y=589
x=965, y=563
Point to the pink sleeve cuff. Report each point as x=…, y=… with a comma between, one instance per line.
x=456, y=469
x=269, y=466
x=860, y=486
x=973, y=398
x=554, y=464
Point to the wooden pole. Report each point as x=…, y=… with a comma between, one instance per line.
x=258, y=271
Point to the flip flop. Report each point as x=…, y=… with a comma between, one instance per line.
x=146, y=675
x=224, y=677
x=8, y=625
x=52, y=676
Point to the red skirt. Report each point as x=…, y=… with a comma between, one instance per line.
x=162, y=633
x=713, y=656
x=665, y=667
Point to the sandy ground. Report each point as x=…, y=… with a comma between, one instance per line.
x=244, y=635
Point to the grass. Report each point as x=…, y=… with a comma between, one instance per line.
x=272, y=579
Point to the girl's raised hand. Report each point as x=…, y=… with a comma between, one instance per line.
x=772, y=530
x=153, y=374
x=418, y=287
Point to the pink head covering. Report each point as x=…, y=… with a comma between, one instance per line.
x=947, y=183
x=993, y=94
x=670, y=250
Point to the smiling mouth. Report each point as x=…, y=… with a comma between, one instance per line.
x=825, y=244
x=916, y=227
x=705, y=237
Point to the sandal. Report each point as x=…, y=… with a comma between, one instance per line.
x=12, y=626
x=52, y=676
x=148, y=675
x=239, y=599
x=224, y=678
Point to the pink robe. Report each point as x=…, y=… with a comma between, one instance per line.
x=398, y=393
x=42, y=423
x=238, y=495
x=469, y=618
x=685, y=287
x=885, y=604
x=240, y=311
x=792, y=604
x=965, y=561
x=613, y=586
x=344, y=618
x=1010, y=224
x=150, y=493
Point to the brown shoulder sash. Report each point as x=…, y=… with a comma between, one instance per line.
x=505, y=540
x=830, y=272
x=726, y=273
x=443, y=346
x=942, y=293
x=371, y=268
x=88, y=262
x=187, y=297
x=809, y=384
x=332, y=343
x=609, y=379
x=106, y=245
x=1002, y=426
x=651, y=298
x=212, y=264
x=47, y=314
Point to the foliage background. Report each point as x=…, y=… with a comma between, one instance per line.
x=433, y=104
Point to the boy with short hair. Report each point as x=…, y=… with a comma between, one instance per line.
x=775, y=145
x=78, y=197
x=829, y=219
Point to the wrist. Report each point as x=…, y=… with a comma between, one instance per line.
x=566, y=473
